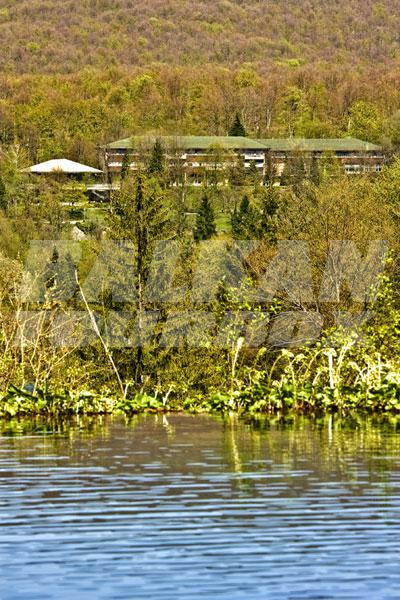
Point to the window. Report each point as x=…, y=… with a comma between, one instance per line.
x=352, y=169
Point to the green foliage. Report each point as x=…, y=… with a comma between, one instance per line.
x=387, y=187
x=73, y=193
x=126, y=165
x=329, y=168
x=73, y=114
x=294, y=111
x=105, y=37
x=365, y=121
x=294, y=172
x=237, y=172
x=269, y=202
x=3, y=201
x=70, y=89
x=253, y=174
x=245, y=221
x=142, y=213
x=59, y=276
x=315, y=177
x=157, y=162
x=336, y=374
x=270, y=173
x=205, y=221
x=51, y=402
x=237, y=128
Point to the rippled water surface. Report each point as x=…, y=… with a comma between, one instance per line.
x=200, y=507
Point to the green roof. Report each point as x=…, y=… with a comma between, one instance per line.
x=347, y=144
x=200, y=142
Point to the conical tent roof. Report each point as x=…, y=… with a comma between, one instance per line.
x=61, y=165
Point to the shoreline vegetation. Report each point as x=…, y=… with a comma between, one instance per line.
x=280, y=401
x=312, y=380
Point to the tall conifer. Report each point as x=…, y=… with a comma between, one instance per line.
x=205, y=221
x=237, y=128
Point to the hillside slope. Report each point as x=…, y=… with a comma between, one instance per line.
x=53, y=36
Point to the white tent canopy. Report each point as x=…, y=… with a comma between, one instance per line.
x=61, y=165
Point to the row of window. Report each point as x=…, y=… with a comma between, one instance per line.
x=362, y=169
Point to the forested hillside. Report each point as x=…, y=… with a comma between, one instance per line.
x=75, y=75
x=53, y=36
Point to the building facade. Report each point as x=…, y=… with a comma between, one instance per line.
x=352, y=155
x=199, y=159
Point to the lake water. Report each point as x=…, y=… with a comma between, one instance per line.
x=184, y=507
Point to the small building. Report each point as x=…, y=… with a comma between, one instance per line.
x=93, y=187
x=63, y=166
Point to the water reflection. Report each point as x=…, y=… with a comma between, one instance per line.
x=190, y=506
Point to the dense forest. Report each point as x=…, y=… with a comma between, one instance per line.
x=53, y=37
x=77, y=74
x=48, y=116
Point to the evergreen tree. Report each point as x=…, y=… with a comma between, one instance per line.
x=235, y=222
x=293, y=172
x=205, y=221
x=237, y=128
x=59, y=276
x=67, y=278
x=285, y=178
x=126, y=165
x=298, y=173
x=157, y=162
x=245, y=221
x=270, y=172
x=50, y=274
x=253, y=174
x=237, y=172
x=142, y=213
x=215, y=170
x=269, y=210
x=314, y=171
